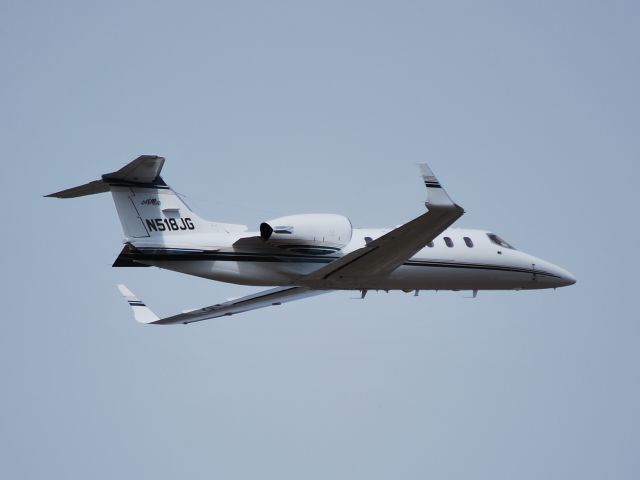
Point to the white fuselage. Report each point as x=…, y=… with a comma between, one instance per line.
x=473, y=262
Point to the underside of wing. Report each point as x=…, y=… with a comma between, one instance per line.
x=267, y=298
x=386, y=253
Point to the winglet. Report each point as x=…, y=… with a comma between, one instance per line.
x=436, y=194
x=141, y=312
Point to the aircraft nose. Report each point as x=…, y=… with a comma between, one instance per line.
x=566, y=278
x=562, y=277
x=550, y=275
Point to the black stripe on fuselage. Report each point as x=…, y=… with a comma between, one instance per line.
x=202, y=255
x=478, y=266
x=139, y=185
x=182, y=255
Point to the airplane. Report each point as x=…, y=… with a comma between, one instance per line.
x=306, y=254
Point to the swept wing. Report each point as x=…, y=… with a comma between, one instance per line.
x=266, y=298
x=386, y=253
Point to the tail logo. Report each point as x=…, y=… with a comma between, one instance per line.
x=151, y=201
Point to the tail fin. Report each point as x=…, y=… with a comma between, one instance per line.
x=146, y=205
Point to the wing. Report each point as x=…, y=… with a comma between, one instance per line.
x=274, y=296
x=386, y=253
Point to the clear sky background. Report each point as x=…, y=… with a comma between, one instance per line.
x=528, y=113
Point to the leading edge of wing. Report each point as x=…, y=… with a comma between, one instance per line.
x=266, y=298
x=386, y=253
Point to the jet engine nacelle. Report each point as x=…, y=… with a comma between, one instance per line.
x=319, y=233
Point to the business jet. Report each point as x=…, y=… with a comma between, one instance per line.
x=309, y=254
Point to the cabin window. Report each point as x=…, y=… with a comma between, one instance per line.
x=448, y=242
x=430, y=244
x=499, y=241
x=468, y=241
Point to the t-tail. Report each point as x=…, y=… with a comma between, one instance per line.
x=148, y=208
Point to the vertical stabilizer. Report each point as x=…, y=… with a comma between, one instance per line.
x=146, y=205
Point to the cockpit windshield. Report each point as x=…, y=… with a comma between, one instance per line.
x=499, y=241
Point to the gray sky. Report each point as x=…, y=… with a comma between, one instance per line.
x=528, y=113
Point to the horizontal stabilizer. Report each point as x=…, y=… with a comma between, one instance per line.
x=144, y=171
x=97, y=186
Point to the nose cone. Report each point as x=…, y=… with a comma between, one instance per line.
x=553, y=276
x=565, y=278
